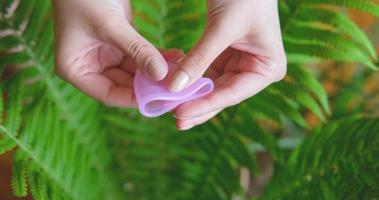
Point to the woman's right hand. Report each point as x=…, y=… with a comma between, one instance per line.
x=241, y=49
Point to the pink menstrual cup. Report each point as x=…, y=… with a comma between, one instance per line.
x=154, y=98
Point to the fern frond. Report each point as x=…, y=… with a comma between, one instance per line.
x=37, y=184
x=248, y=126
x=19, y=175
x=64, y=135
x=367, y=6
x=12, y=114
x=339, y=161
x=6, y=144
x=31, y=28
x=339, y=22
x=14, y=104
x=326, y=34
x=52, y=157
x=220, y=146
x=303, y=98
x=330, y=38
x=321, y=51
x=162, y=22
x=308, y=82
x=40, y=52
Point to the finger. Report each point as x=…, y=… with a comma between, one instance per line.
x=185, y=124
x=217, y=68
x=170, y=55
x=103, y=89
x=127, y=10
x=108, y=56
x=145, y=55
x=254, y=74
x=212, y=43
x=233, y=90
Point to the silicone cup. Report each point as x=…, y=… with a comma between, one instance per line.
x=154, y=98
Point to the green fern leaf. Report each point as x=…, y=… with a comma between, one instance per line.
x=14, y=104
x=64, y=134
x=160, y=22
x=12, y=114
x=340, y=160
x=317, y=50
x=309, y=82
x=303, y=98
x=256, y=133
x=6, y=144
x=367, y=6
x=339, y=22
x=329, y=39
x=32, y=22
x=19, y=175
x=37, y=185
x=305, y=45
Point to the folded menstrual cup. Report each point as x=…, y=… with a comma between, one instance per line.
x=154, y=98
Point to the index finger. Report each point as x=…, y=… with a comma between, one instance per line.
x=229, y=91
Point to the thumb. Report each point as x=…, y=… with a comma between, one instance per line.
x=211, y=44
x=145, y=55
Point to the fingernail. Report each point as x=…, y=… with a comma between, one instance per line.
x=186, y=127
x=156, y=69
x=180, y=81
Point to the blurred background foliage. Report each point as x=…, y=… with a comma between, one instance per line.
x=314, y=135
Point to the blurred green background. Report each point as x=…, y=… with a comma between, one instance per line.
x=314, y=135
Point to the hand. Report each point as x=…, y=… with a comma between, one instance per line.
x=241, y=50
x=98, y=50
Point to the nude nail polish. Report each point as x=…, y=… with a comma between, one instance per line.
x=156, y=69
x=180, y=81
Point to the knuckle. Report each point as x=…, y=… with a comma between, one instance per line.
x=137, y=49
x=196, y=59
x=195, y=65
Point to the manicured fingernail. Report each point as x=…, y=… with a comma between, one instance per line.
x=156, y=69
x=180, y=81
x=186, y=127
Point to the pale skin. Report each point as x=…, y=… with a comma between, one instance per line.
x=98, y=51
